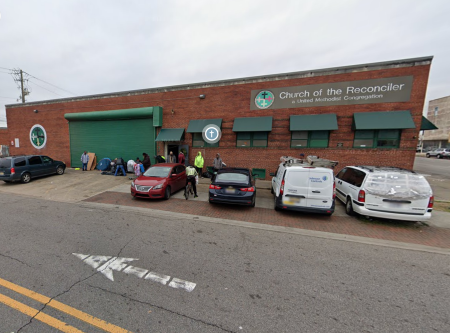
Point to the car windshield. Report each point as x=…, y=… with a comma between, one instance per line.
x=232, y=177
x=5, y=163
x=160, y=172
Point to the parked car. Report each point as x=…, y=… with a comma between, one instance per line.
x=26, y=167
x=439, y=153
x=233, y=186
x=385, y=192
x=303, y=188
x=159, y=181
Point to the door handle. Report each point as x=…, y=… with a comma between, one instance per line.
x=315, y=191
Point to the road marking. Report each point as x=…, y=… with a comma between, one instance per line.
x=87, y=318
x=107, y=264
x=32, y=312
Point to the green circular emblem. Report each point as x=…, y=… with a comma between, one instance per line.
x=264, y=99
x=38, y=136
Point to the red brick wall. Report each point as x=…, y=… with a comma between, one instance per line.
x=229, y=102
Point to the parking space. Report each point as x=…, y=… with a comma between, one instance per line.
x=77, y=186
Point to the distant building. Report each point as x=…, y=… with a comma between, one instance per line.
x=438, y=114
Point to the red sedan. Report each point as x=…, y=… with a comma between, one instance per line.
x=159, y=181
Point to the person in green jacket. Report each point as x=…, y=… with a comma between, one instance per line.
x=198, y=163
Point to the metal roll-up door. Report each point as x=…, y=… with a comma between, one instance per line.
x=127, y=138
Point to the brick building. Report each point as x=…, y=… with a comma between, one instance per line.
x=439, y=114
x=368, y=114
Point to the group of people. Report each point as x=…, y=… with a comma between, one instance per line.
x=140, y=167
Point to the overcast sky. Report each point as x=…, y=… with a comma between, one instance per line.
x=92, y=47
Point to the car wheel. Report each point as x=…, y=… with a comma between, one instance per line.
x=271, y=190
x=60, y=170
x=438, y=156
x=253, y=202
x=427, y=155
x=167, y=193
x=26, y=177
x=349, y=207
x=275, y=203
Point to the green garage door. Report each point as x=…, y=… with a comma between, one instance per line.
x=120, y=133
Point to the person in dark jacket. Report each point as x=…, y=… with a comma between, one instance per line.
x=119, y=166
x=146, y=161
x=172, y=158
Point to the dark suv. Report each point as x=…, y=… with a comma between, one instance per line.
x=25, y=167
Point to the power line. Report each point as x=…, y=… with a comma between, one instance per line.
x=50, y=84
x=45, y=88
x=9, y=69
x=6, y=97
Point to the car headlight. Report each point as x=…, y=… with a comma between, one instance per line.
x=132, y=184
x=157, y=187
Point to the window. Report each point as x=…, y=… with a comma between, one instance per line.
x=251, y=139
x=309, y=139
x=47, y=159
x=377, y=139
x=197, y=141
x=180, y=169
x=18, y=162
x=34, y=160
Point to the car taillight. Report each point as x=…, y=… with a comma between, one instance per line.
x=214, y=187
x=431, y=202
x=362, y=196
x=247, y=189
x=282, y=187
x=13, y=171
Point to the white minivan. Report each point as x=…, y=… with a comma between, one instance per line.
x=303, y=188
x=385, y=192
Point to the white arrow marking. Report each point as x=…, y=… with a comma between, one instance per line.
x=107, y=264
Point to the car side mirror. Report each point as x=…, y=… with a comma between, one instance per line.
x=272, y=174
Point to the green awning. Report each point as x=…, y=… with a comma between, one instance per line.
x=154, y=112
x=314, y=122
x=252, y=124
x=427, y=125
x=197, y=126
x=383, y=120
x=171, y=134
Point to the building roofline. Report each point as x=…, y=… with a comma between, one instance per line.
x=262, y=78
x=436, y=99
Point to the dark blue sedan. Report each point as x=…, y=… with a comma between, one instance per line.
x=233, y=186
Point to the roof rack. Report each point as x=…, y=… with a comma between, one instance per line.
x=314, y=161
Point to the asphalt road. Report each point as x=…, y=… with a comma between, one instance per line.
x=246, y=279
x=437, y=172
x=433, y=166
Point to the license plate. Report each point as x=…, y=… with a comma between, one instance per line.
x=2, y=173
x=230, y=191
x=291, y=201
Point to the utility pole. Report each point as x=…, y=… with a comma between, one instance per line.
x=21, y=84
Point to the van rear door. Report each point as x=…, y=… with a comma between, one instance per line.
x=320, y=189
x=296, y=187
x=400, y=193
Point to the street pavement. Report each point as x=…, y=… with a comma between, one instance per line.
x=248, y=278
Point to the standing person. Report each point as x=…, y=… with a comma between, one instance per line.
x=181, y=158
x=85, y=160
x=146, y=161
x=119, y=166
x=199, y=161
x=137, y=168
x=191, y=173
x=172, y=158
x=217, y=163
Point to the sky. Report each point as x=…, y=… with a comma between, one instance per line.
x=75, y=48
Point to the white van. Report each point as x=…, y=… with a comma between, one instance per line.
x=385, y=192
x=304, y=188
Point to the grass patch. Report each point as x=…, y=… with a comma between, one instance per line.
x=442, y=206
